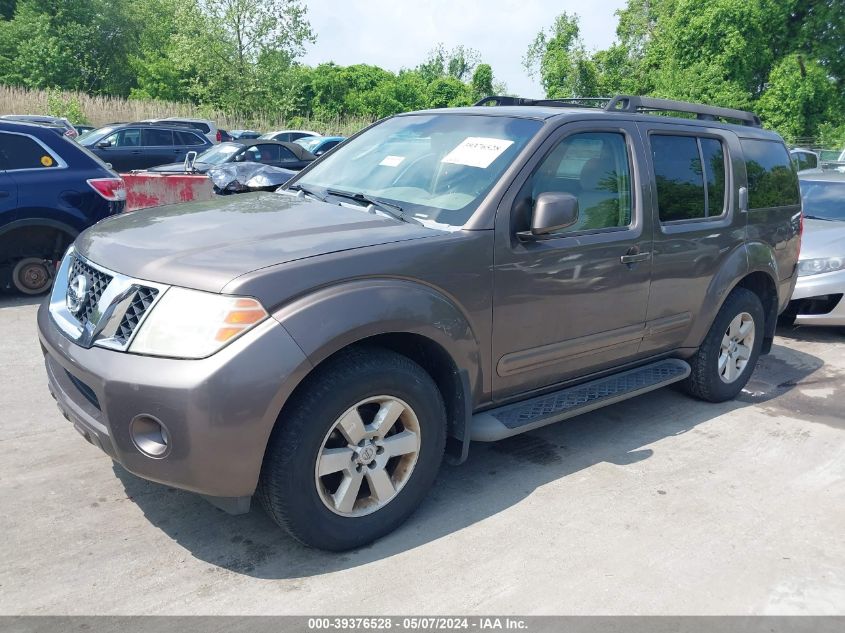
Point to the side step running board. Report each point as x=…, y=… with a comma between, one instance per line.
x=512, y=419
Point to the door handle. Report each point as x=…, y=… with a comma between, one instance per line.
x=4, y=194
x=633, y=258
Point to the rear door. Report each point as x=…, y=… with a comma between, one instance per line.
x=8, y=188
x=158, y=148
x=695, y=182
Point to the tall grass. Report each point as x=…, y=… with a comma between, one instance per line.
x=98, y=110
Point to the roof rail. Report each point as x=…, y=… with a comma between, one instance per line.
x=630, y=103
x=574, y=102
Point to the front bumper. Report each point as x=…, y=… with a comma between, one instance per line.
x=830, y=311
x=218, y=411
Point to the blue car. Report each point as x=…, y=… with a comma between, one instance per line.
x=51, y=189
x=319, y=145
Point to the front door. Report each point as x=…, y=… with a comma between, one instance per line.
x=575, y=301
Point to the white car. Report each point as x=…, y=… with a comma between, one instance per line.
x=207, y=127
x=806, y=161
x=288, y=135
x=818, y=295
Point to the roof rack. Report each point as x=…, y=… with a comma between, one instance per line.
x=628, y=103
x=634, y=104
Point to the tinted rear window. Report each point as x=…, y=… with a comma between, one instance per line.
x=188, y=138
x=156, y=138
x=202, y=127
x=23, y=152
x=772, y=181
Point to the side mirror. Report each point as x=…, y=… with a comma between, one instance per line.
x=240, y=158
x=553, y=211
x=103, y=144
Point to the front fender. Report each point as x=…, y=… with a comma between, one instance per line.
x=334, y=317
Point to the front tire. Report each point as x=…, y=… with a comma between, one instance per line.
x=355, y=451
x=32, y=275
x=726, y=359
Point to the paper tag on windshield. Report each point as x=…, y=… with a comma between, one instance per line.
x=477, y=151
x=392, y=161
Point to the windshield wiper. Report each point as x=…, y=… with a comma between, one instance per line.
x=818, y=217
x=307, y=192
x=392, y=209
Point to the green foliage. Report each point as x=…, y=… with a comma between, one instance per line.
x=232, y=56
x=800, y=97
x=558, y=58
x=781, y=58
x=63, y=105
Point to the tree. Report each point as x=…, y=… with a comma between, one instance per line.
x=482, y=82
x=256, y=26
x=557, y=57
x=799, y=98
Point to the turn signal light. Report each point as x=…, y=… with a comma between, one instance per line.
x=244, y=314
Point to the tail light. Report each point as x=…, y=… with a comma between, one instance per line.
x=112, y=189
x=219, y=136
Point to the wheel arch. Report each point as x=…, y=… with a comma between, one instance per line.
x=406, y=317
x=59, y=235
x=752, y=266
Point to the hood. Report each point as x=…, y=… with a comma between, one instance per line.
x=179, y=168
x=205, y=245
x=823, y=238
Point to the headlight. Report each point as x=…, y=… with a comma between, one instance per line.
x=194, y=324
x=820, y=265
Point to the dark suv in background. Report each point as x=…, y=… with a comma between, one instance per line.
x=131, y=146
x=51, y=189
x=443, y=276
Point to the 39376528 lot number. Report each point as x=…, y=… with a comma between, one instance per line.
x=387, y=623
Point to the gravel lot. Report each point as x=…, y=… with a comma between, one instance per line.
x=660, y=505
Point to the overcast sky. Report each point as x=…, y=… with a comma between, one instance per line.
x=397, y=34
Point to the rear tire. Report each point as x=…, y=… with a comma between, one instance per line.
x=727, y=356
x=336, y=477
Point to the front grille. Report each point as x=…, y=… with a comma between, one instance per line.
x=97, y=282
x=142, y=300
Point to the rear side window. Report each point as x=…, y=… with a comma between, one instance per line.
x=24, y=152
x=772, y=181
x=156, y=138
x=690, y=176
x=202, y=127
x=188, y=138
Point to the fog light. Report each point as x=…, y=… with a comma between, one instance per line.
x=149, y=436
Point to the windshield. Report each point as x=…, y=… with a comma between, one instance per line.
x=824, y=199
x=435, y=166
x=309, y=142
x=219, y=154
x=94, y=136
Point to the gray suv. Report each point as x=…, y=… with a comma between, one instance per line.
x=442, y=277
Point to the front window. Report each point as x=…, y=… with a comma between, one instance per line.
x=825, y=200
x=437, y=167
x=219, y=154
